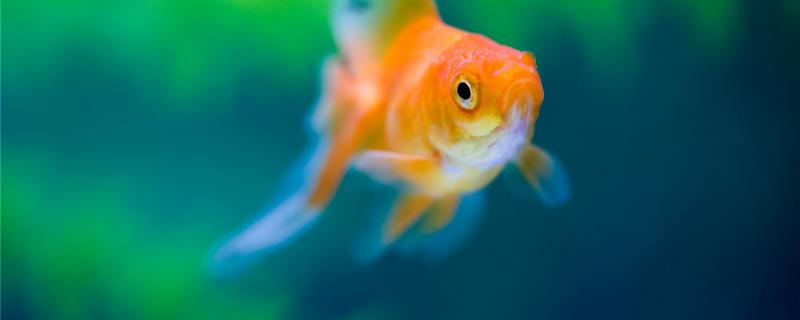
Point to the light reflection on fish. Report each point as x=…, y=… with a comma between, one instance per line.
x=413, y=102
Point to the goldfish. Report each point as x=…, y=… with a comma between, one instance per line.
x=412, y=102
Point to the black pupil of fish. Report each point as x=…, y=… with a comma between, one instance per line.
x=463, y=91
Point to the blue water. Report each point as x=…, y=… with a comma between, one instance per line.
x=133, y=144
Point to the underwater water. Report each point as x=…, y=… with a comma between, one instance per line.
x=136, y=135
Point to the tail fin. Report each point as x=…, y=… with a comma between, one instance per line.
x=287, y=217
x=273, y=230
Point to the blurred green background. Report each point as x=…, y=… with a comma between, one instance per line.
x=136, y=134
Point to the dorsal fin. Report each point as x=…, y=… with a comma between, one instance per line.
x=364, y=29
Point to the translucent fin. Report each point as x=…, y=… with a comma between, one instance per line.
x=440, y=215
x=279, y=223
x=406, y=212
x=363, y=29
x=439, y=245
x=273, y=230
x=368, y=246
x=336, y=99
x=517, y=185
x=545, y=174
x=392, y=167
x=418, y=242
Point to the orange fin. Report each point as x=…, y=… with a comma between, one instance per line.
x=436, y=245
x=408, y=209
x=387, y=167
x=545, y=174
x=337, y=158
x=292, y=215
x=431, y=245
x=441, y=214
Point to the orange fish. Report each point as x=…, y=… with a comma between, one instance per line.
x=413, y=102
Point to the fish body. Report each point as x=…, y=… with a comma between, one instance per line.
x=413, y=102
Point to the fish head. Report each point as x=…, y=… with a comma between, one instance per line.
x=483, y=102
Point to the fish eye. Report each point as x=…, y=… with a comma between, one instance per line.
x=464, y=93
x=463, y=90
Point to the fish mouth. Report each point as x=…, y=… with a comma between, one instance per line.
x=505, y=141
x=517, y=121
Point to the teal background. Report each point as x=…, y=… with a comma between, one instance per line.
x=137, y=134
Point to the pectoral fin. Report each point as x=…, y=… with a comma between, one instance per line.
x=388, y=167
x=545, y=174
